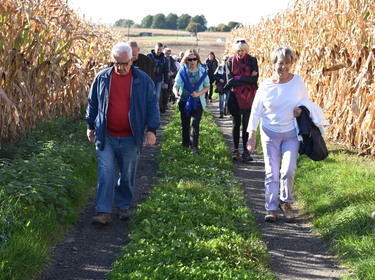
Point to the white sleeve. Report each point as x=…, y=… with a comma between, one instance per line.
x=256, y=111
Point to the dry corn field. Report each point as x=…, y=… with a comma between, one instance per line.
x=334, y=44
x=49, y=56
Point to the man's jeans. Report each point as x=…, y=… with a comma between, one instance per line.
x=117, y=166
x=158, y=86
x=223, y=101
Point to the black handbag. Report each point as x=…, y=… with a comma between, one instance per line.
x=233, y=107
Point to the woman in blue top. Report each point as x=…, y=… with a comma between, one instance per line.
x=190, y=86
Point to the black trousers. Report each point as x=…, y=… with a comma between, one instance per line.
x=236, y=124
x=190, y=125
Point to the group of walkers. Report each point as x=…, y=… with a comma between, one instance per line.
x=123, y=115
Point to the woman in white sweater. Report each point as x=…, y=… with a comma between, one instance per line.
x=275, y=104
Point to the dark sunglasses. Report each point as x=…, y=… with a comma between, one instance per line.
x=241, y=41
x=192, y=59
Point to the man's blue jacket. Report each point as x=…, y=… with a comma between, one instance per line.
x=144, y=106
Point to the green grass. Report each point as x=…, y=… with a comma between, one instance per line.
x=339, y=194
x=195, y=224
x=44, y=181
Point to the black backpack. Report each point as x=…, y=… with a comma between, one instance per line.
x=313, y=144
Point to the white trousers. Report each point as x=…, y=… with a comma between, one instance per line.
x=279, y=149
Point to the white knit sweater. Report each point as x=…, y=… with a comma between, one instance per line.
x=274, y=104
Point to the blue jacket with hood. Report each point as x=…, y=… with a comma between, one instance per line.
x=144, y=108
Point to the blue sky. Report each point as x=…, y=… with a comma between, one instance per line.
x=246, y=12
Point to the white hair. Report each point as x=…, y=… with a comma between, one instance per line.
x=121, y=48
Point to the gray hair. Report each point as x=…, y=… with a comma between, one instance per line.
x=121, y=48
x=284, y=52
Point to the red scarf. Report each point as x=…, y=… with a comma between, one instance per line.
x=245, y=93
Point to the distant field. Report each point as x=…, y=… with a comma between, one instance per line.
x=177, y=40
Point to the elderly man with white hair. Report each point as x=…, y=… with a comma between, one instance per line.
x=122, y=114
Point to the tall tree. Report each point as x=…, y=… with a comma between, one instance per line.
x=233, y=24
x=159, y=22
x=183, y=21
x=147, y=21
x=124, y=22
x=202, y=22
x=171, y=21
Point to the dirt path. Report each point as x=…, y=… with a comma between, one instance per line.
x=88, y=251
x=296, y=252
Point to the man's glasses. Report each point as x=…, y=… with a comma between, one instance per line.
x=241, y=41
x=124, y=64
x=192, y=59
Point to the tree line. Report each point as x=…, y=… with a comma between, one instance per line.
x=186, y=22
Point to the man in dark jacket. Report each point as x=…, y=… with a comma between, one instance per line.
x=172, y=72
x=161, y=71
x=140, y=60
x=122, y=104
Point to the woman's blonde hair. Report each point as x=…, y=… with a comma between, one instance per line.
x=241, y=44
x=284, y=52
x=190, y=52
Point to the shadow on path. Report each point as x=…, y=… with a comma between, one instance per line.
x=296, y=253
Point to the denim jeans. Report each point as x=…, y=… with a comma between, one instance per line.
x=279, y=179
x=117, y=166
x=223, y=101
x=158, y=86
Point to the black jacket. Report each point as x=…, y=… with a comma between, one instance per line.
x=313, y=144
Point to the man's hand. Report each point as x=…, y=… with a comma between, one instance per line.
x=150, y=138
x=91, y=135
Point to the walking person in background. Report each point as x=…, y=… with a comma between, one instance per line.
x=221, y=80
x=122, y=104
x=172, y=71
x=161, y=76
x=191, y=84
x=242, y=79
x=211, y=65
x=140, y=60
x=276, y=106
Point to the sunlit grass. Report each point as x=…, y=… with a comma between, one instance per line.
x=339, y=195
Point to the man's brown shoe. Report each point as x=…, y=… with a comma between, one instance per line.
x=102, y=218
x=271, y=216
x=287, y=209
x=124, y=214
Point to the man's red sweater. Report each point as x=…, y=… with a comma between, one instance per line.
x=119, y=104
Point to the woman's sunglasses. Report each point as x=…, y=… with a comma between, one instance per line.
x=241, y=41
x=192, y=59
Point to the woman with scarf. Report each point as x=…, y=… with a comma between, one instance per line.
x=242, y=79
x=191, y=84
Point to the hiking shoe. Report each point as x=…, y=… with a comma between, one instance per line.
x=246, y=156
x=102, y=218
x=287, y=209
x=271, y=216
x=236, y=155
x=194, y=150
x=124, y=214
x=221, y=115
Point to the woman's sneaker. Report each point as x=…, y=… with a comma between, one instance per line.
x=287, y=209
x=246, y=156
x=236, y=155
x=271, y=216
